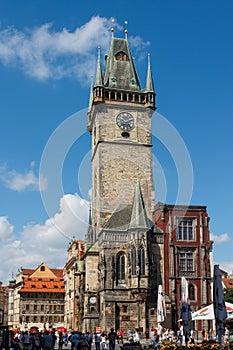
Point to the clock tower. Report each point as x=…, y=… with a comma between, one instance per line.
x=119, y=120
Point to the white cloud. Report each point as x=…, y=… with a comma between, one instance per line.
x=44, y=53
x=6, y=230
x=47, y=242
x=219, y=239
x=20, y=182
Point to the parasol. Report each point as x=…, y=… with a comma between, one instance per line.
x=220, y=312
x=161, y=309
x=62, y=330
x=186, y=314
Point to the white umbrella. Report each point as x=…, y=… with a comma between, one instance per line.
x=184, y=290
x=161, y=310
x=161, y=306
x=207, y=312
x=220, y=312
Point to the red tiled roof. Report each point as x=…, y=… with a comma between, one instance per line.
x=58, y=272
x=228, y=282
x=40, y=284
x=27, y=271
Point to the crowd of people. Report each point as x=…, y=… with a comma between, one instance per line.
x=51, y=340
x=159, y=334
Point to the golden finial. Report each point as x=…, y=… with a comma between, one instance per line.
x=112, y=29
x=126, y=30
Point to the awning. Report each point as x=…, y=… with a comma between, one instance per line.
x=207, y=313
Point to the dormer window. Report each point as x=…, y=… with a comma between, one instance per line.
x=42, y=268
x=121, y=56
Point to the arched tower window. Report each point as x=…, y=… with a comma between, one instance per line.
x=133, y=261
x=42, y=268
x=121, y=56
x=121, y=267
x=142, y=260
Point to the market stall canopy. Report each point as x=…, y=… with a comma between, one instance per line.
x=207, y=313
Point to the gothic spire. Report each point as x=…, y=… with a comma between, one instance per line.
x=99, y=76
x=89, y=234
x=138, y=216
x=149, y=79
x=90, y=97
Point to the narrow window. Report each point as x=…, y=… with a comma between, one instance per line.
x=133, y=261
x=142, y=260
x=121, y=267
x=192, y=292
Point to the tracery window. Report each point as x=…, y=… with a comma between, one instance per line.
x=121, y=267
x=142, y=260
x=133, y=261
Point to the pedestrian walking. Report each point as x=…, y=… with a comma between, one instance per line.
x=112, y=339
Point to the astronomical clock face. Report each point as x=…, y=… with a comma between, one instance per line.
x=125, y=121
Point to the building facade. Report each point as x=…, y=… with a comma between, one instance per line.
x=187, y=251
x=37, y=298
x=131, y=246
x=72, y=267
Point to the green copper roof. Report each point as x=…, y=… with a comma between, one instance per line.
x=130, y=216
x=99, y=77
x=149, y=79
x=120, y=72
x=138, y=217
x=120, y=219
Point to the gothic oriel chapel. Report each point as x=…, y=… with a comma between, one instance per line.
x=131, y=245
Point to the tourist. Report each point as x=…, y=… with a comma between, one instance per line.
x=47, y=342
x=97, y=340
x=112, y=339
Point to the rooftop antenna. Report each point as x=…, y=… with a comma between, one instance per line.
x=112, y=29
x=126, y=29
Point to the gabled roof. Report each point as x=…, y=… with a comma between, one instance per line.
x=56, y=272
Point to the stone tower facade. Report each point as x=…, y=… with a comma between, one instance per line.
x=120, y=124
x=131, y=246
x=122, y=261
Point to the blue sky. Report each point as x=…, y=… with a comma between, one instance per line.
x=48, y=53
